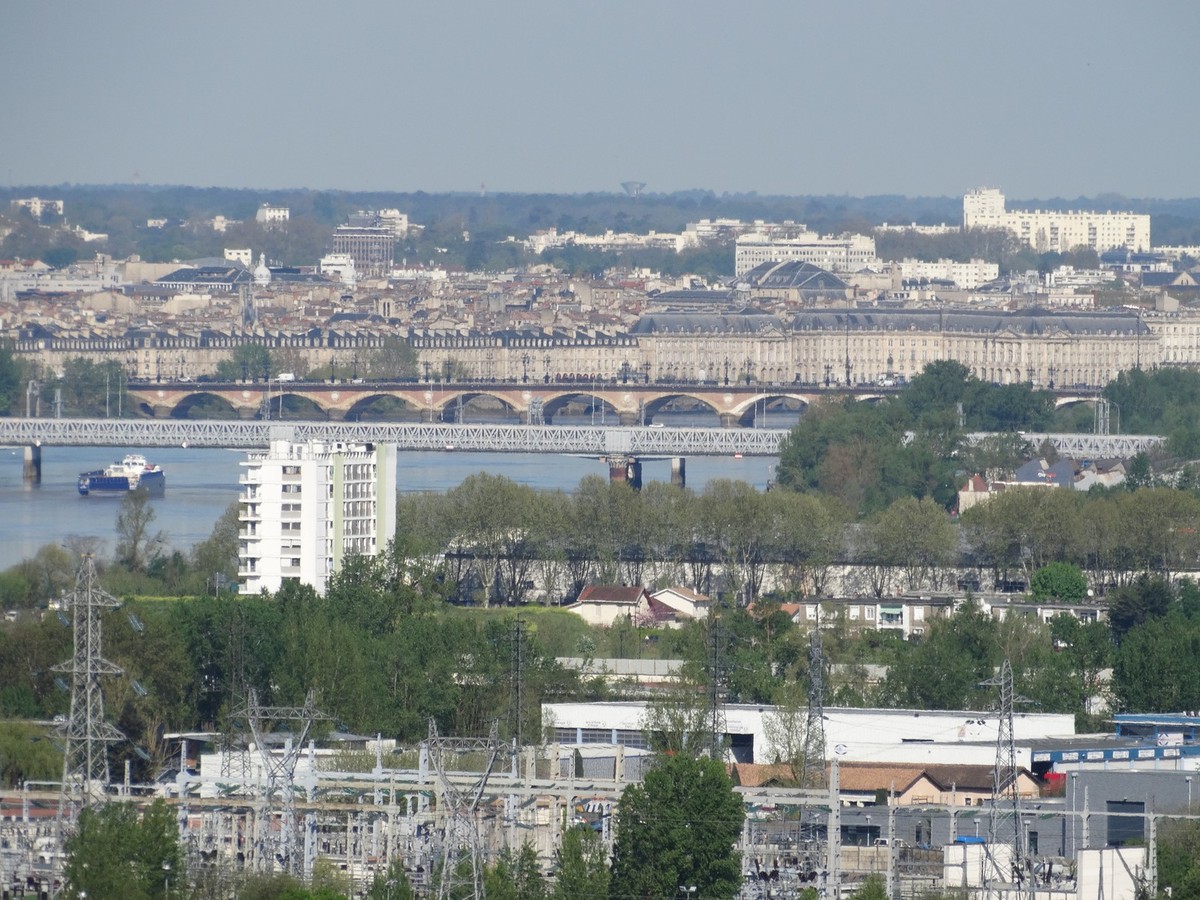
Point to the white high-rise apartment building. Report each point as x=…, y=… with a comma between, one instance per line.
x=307, y=506
x=1047, y=231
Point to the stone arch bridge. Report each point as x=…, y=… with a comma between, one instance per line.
x=625, y=404
x=628, y=404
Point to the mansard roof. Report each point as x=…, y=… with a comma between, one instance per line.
x=711, y=323
x=988, y=321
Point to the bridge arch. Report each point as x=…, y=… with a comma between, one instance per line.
x=199, y=405
x=588, y=403
x=289, y=405
x=771, y=410
x=679, y=402
x=384, y=406
x=474, y=405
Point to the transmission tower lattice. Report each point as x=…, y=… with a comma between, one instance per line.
x=517, y=639
x=86, y=734
x=718, y=675
x=1006, y=798
x=459, y=795
x=278, y=795
x=812, y=771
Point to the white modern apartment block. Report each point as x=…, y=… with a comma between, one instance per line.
x=272, y=215
x=1049, y=231
x=968, y=275
x=307, y=506
x=843, y=253
x=37, y=206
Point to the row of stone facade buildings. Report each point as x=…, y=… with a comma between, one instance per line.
x=813, y=346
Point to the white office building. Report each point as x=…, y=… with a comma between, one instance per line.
x=307, y=506
x=1052, y=231
x=843, y=253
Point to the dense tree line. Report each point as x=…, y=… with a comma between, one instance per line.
x=913, y=444
x=472, y=230
x=498, y=542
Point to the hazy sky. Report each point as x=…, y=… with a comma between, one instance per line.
x=1041, y=99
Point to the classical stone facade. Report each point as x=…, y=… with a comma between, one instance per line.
x=837, y=346
x=813, y=346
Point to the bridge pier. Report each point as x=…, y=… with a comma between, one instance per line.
x=679, y=471
x=729, y=420
x=630, y=418
x=625, y=470
x=246, y=413
x=32, y=469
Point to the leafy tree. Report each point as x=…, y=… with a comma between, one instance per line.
x=134, y=540
x=1134, y=604
x=1059, y=581
x=393, y=884
x=60, y=257
x=874, y=888
x=732, y=517
x=1086, y=648
x=248, y=362
x=1153, y=669
x=215, y=558
x=1179, y=858
x=914, y=537
x=678, y=827
x=583, y=872
x=396, y=359
x=26, y=754
x=515, y=876
x=11, y=379
x=945, y=670
x=115, y=852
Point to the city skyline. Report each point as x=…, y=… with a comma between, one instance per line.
x=923, y=99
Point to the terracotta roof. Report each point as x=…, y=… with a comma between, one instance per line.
x=862, y=777
x=611, y=593
x=660, y=612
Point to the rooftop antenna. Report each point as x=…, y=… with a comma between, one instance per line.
x=633, y=188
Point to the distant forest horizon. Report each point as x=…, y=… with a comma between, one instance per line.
x=481, y=229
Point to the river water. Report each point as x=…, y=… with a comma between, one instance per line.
x=201, y=484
